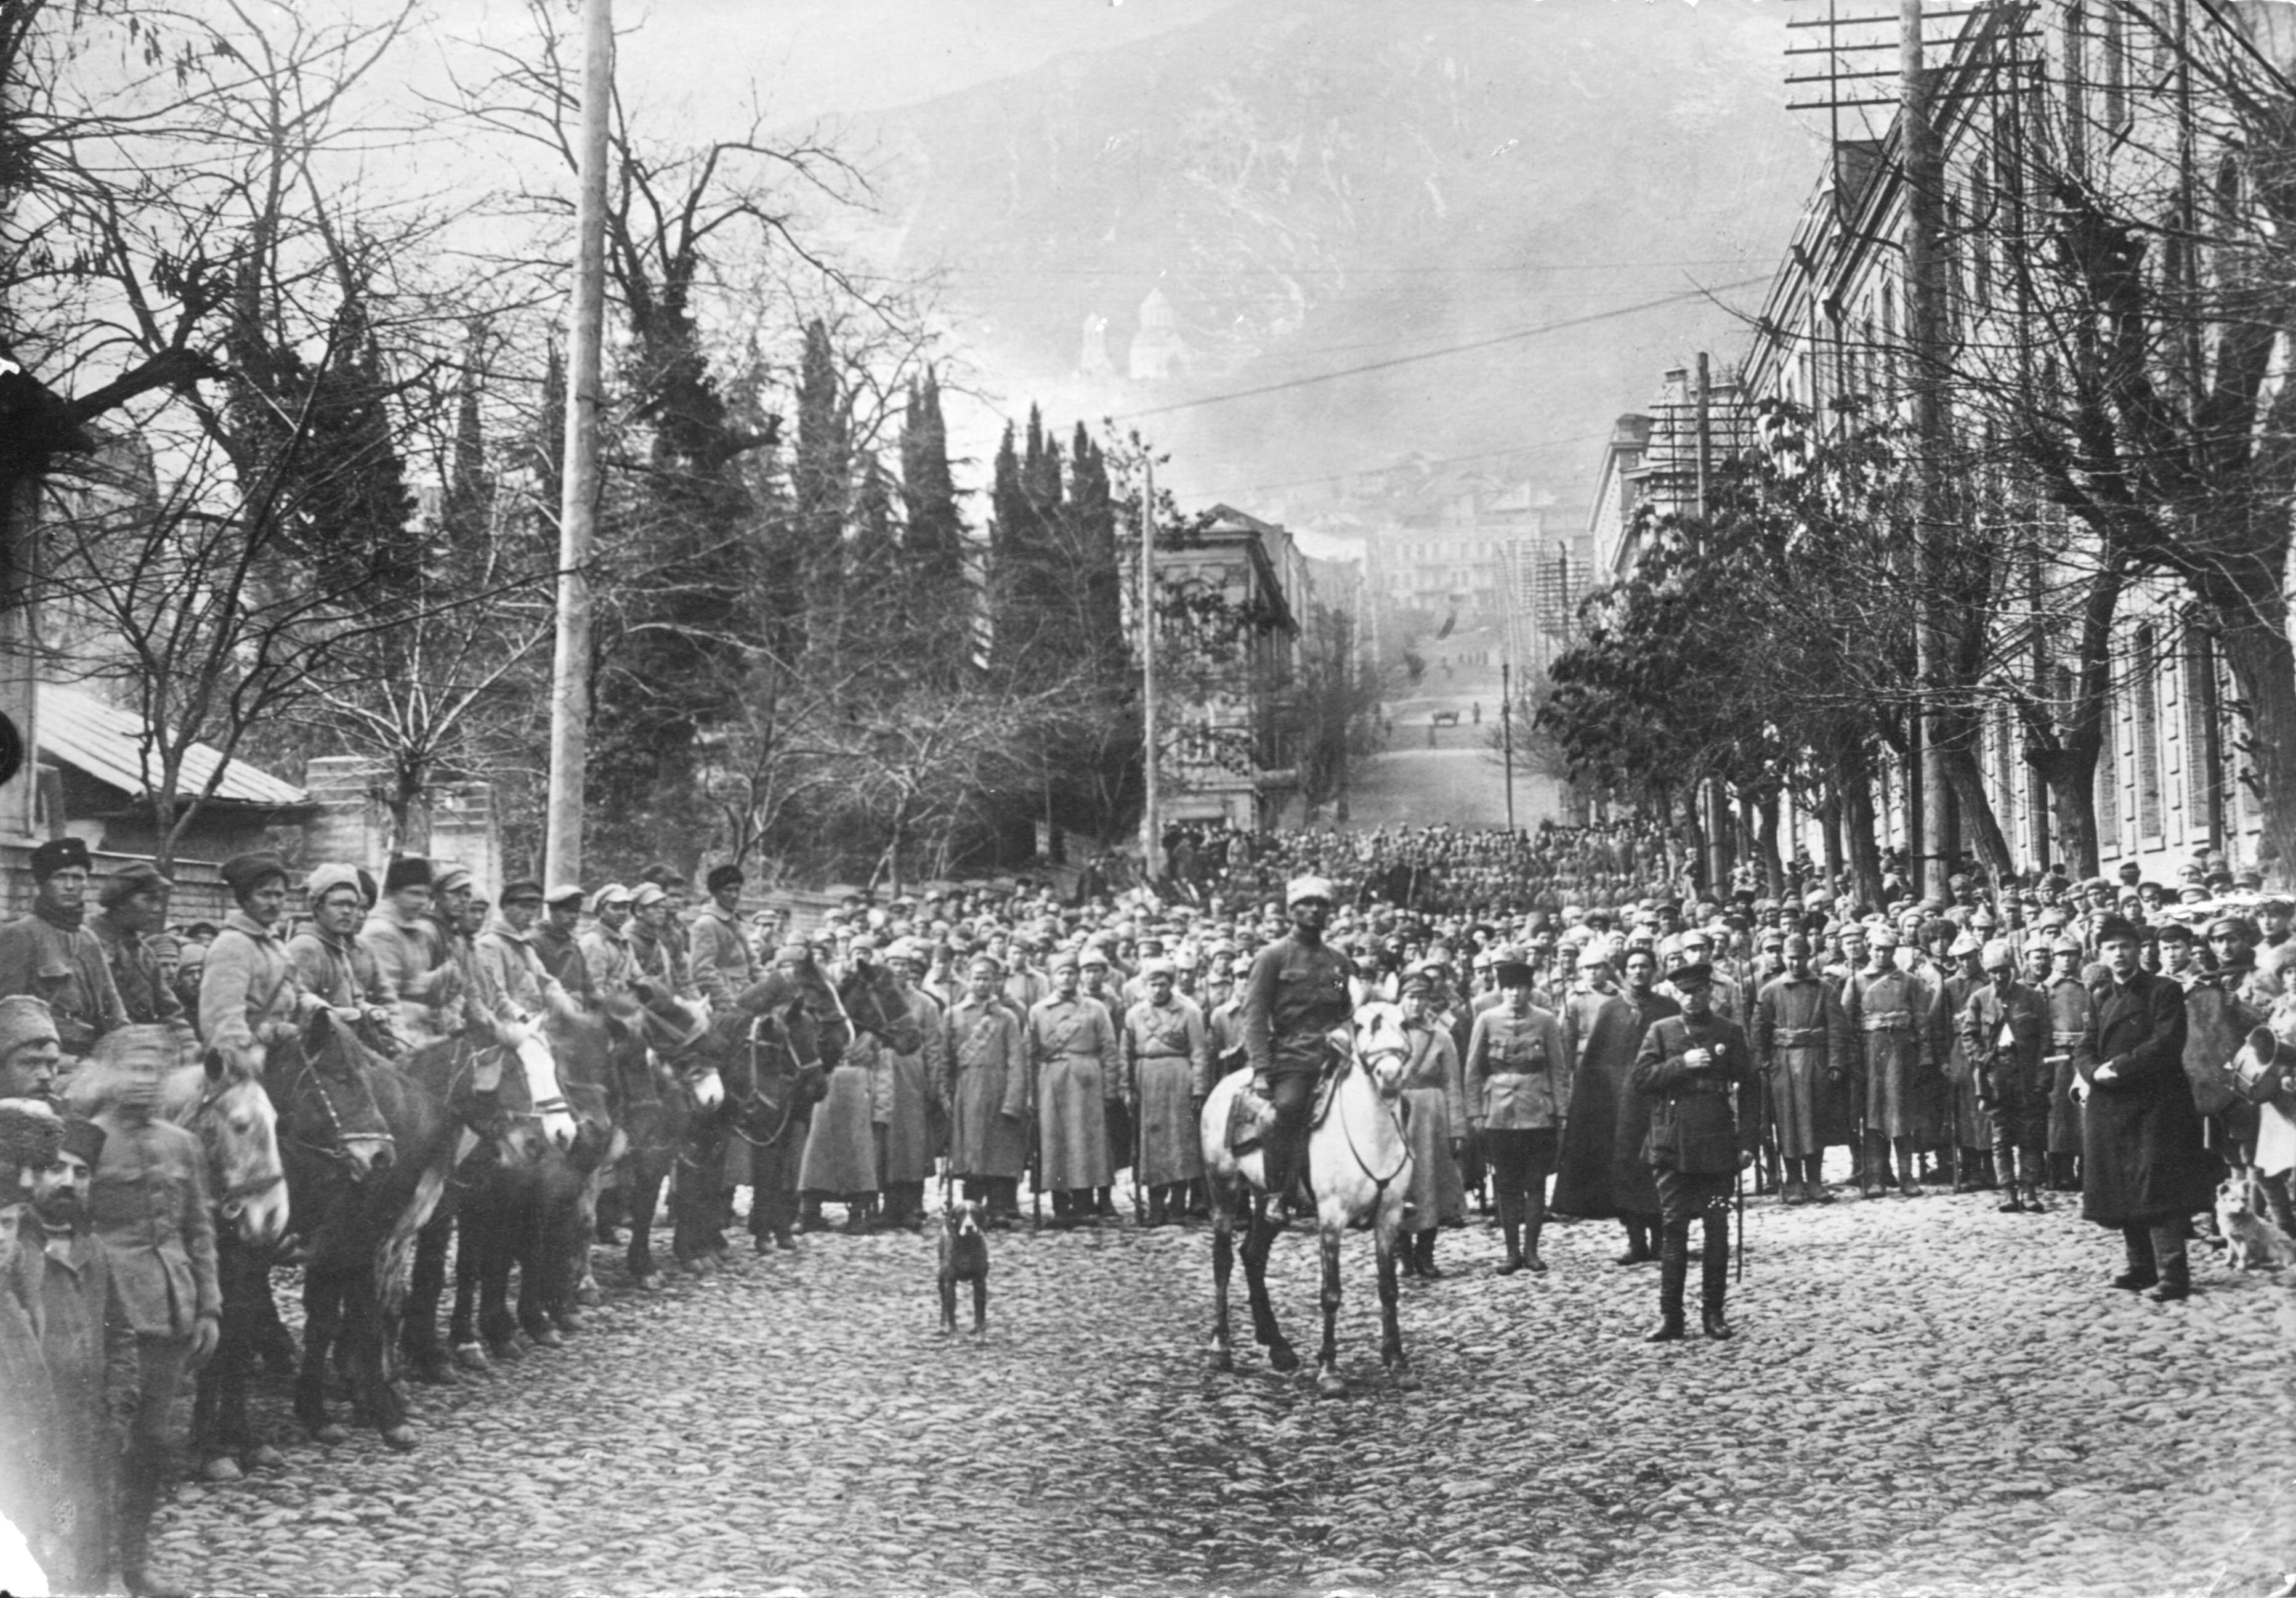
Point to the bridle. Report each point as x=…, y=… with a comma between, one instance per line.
x=339, y=1154
x=239, y=1192
x=755, y=1095
x=1380, y=1184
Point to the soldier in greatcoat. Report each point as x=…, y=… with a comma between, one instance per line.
x=717, y=946
x=2068, y=1002
x=1167, y=1050
x=249, y=996
x=840, y=1147
x=906, y=1145
x=1888, y=1012
x=1970, y=1127
x=987, y=1091
x=1436, y=1125
x=1072, y=1057
x=2005, y=1032
x=1693, y=1065
x=1601, y=1170
x=1802, y=1044
x=2144, y=1166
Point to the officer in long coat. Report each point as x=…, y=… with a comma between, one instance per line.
x=987, y=1091
x=1693, y=1065
x=2145, y=1165
x=2005, y=1032
x=1166, y=1050
x=1802, y=1044
x=1073, y=1055
x=1888, y=1011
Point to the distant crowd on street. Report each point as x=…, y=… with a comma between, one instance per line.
x=2113, y=1037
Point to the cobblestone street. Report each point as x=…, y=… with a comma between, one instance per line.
x=1924, y=1397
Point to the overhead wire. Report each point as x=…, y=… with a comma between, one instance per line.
x=1393, y=362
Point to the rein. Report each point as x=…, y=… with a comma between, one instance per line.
x=755, y=1095
x=340, y=1153
x=1380, y=1184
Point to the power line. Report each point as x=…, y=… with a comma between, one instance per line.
x=1407, y=361
x=1412, y=465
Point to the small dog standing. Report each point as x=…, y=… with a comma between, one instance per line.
x=2253, y=1241
x=963, y=1257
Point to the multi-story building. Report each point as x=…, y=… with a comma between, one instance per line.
x=2007, y=79
x=1652, y=459
x=1225, y=752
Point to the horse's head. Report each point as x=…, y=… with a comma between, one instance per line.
x=1380, y=1047
x=872, y=996
x=320, y=1081
x=239, y=1131
x=534, y=1067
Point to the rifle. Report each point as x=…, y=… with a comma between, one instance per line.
x=1139, y=1144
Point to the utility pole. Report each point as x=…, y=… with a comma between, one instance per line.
x=1925, y=297
x=1506, y=732
x=1151, y=831
x=578, y=511
x=1715, y=810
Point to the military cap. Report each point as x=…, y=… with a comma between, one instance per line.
x=136, y=877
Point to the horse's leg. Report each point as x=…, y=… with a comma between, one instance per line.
x=364, y=1313
x=526, y=1251
x=418, y=1336
x=497, y=1325
x=1389, y=1229
x=641, y=1191
x=1329, y=1382
x=1257, y=1239
x=1222, y=1347
x=323, y=1320
x=214, y=1440
x=462, y=1326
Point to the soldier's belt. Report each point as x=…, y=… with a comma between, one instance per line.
x=2065, y=1039
x=1798, y=1037
x=1886, y=1019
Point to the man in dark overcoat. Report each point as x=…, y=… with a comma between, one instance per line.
x=1693, y=1065
x=1802, y=1043
x=2145, y=1165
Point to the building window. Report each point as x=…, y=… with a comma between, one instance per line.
x=2203, y=778
x=2113, y=74
x=2146, y=696
x=2108, y=782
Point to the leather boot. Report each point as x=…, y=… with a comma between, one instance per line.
x=1714, y=1285
x=1964, y=1170
x=1813, y=1180
x=1873, y=1180
x=2142, y=1272
x=1908, y=1186
x=2174, y=1264
x=1533, y=1222
x=2004, y=1158
x=1423, y=1251
x=2033, y=1204
x=1406, y=1254
x=1639, y=1251
x=1511, y=1224
x=1673, y=1273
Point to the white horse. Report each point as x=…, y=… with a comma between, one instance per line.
x=1358, y=1165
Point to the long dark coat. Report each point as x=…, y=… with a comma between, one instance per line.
x=2142, y=1158
x=1601, y=1171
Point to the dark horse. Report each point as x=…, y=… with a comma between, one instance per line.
x=664, y=1075
x=777, y=1069
x=512, y=1119
x=358, y=1226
